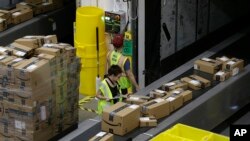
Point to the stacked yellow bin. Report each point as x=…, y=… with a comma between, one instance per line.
x=87, y=20
x=181, y=132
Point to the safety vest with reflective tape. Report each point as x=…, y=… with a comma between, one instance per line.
x=104, y=88
x=116, y=58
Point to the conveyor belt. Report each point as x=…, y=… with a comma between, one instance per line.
x=209, y=107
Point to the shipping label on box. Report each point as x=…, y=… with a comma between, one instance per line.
x=120, y=118
x=221, y=75
x=158, y=108
x=102, y=136
x=174, y=85
x=208, y=65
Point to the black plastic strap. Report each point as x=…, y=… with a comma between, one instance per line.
x=144, y=107
x=112, y=114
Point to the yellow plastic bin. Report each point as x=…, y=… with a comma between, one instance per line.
x=181, y=132
x=87, y=19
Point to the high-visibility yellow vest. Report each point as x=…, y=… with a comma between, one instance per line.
x=104, y=88
x=116, y=58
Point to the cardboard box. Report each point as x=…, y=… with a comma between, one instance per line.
x=137, y=99
x=21, y=50
x=20, y=15
x=52, y=62
x=4, y=14
x=6, y=127
x=208, y=65
x=187, y=95
x=157, y=93
x=39, y=38
x=193, y=84
x=3, y=24
x=234, y=65
x=31, y=43
x=50, y=39
x=221, y=75
x=120, y=118
x=158, y=108
x=175, y=99
x=222, y=59
x=148, y=122
x=174, y=85
x=32, y=74
x=204, y=82
x=43, y=8
x=102, y=136
x=5, y=51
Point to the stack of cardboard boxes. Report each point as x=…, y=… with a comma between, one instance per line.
x=25, y=11
x=39, y=81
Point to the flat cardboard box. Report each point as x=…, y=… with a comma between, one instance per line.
x=148, y=122
x=193, y=84
x=52, y=62
x=51, y=51
x=137, y=99
x=207, y=65
x=3, y=24
x=21, y=50
x=175, y=99
x=205, y=83
x=234, y=65
x=187, y=95
x=102, y=136
x=43, y=8
x=157, y=93
x=20, y=15
x=157, y=107
x=222, y=59
x=120, y=118
x=221, y=75
x=174, y=85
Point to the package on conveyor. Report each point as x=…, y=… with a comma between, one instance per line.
x=3, y=24
x=234, y=65
x=34, y=1
x=38, y=8
x=120, y=118
x=5, y=51
x=175, y=100
x=157, y=107
x=102, y=136
x=137, y=99
x=221, y=75
x=207, y=65
x=7, y=75
x=20, y=50
x=20, y=15
x=196, y=82
x=222, y=59
x=186, y=94
x=148, y=121
x=157, y=93
x=4, y=14
x=174, y=85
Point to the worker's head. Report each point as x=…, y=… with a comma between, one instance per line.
x=115, y=72
x=118, y=41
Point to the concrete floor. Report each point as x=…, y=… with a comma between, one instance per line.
x=83, y=114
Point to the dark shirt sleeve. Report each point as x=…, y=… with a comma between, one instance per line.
x=127, y=65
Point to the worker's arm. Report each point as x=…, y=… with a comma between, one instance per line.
x=100, y=96
x=132, y=79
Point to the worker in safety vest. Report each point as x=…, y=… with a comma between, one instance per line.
x=109, y=89
x=115, y=57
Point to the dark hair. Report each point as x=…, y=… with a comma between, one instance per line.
x=114, y=70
